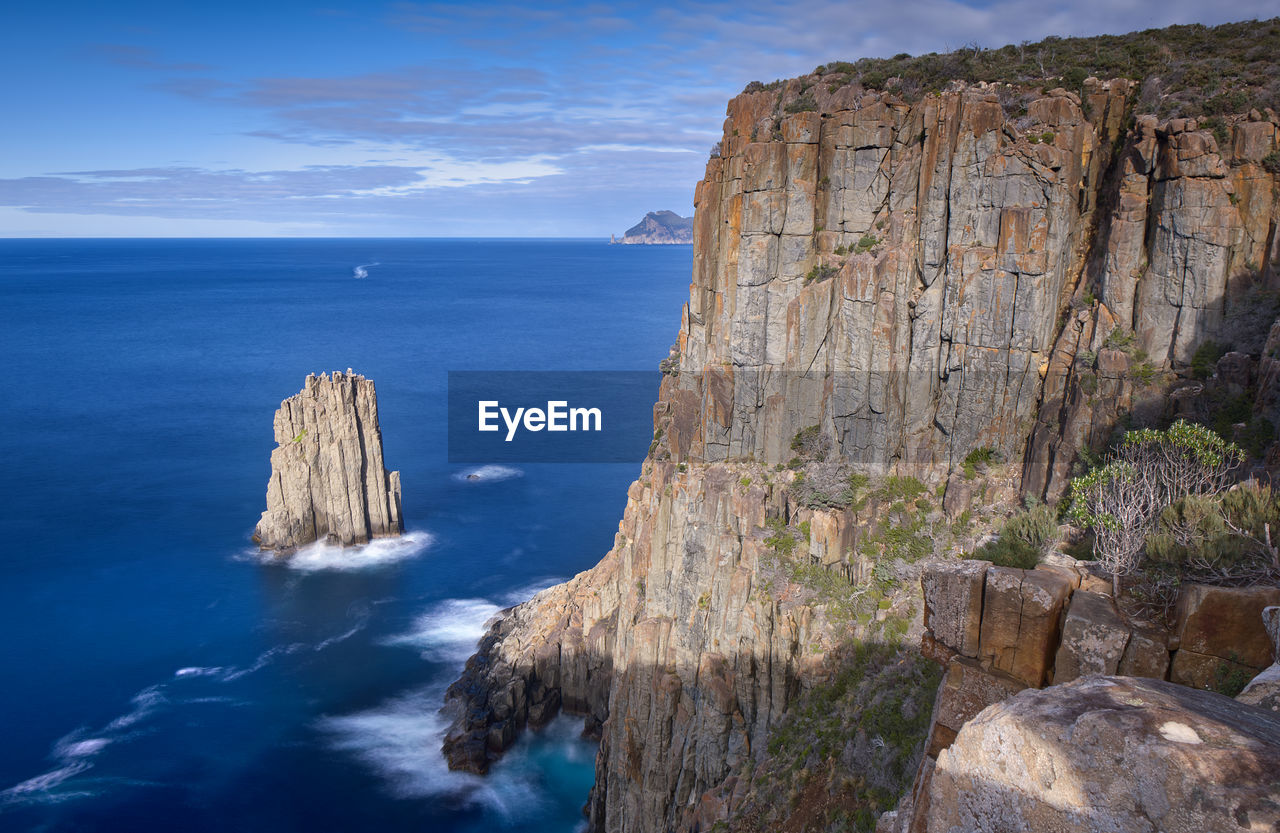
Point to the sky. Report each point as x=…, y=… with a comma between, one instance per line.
x=329, y=118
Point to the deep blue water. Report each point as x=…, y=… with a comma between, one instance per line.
x=156, y=674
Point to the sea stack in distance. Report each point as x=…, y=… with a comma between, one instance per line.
x=328, y=481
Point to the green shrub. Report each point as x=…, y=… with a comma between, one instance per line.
x=984, y=456
x=805, y=103
x=897, y=488
x=810, y=444
x=1022, y=539
x=821, y=272
x=1206, y=358
x=1121, y=339
x=783, y=541
x=1229, y=678
x=1122, y=501
x=1257, y=431
x=1219, y=530
x=1272, y=161
x=1215, y=125
x=1143, y=373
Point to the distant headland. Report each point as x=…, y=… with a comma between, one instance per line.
x=658, y=228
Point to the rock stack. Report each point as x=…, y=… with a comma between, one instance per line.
x=328, y=481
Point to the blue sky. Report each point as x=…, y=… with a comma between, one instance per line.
x=428, y=119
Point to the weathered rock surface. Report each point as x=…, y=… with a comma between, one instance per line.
x=953, y=603
x=1022, y=611
x=1110, y=753
x=1264, y=689
x=1221, y=628
x=328, y=481
x=1093, y=638
x=966, y=690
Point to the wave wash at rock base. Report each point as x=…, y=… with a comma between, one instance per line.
x=902, y=276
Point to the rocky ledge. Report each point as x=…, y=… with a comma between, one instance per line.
x=328, y=481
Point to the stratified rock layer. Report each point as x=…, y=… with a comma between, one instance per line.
x=328, y=481
x=1110, y=753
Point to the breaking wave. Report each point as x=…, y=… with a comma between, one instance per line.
x=449, y=630
x=399, y=739
x=488, y=474
x=362, y=271
x=377, y=553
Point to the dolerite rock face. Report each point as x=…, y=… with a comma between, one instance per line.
x=1110, y=753
x=328, y=481
x=919, y=279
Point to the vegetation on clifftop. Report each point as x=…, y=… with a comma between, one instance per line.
x=1192, y=70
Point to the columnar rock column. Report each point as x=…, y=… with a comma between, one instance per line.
x=328, y=480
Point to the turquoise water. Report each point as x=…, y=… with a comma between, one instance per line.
x=157, y=674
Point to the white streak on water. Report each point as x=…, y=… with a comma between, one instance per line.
x=262, y=661
x=362, y=271
x=488, y=474
x=73, y=754
x=144, y=703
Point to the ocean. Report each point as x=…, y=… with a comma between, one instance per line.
x=157, y=674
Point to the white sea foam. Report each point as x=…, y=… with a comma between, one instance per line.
x=449, y=630
x=378, y=552
x=200, y=671
x=488, y=474
x=400, y=739
x=362, y=271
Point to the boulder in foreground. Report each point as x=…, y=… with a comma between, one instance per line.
x=1111, y=753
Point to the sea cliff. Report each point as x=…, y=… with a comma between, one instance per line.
x=882, y=288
